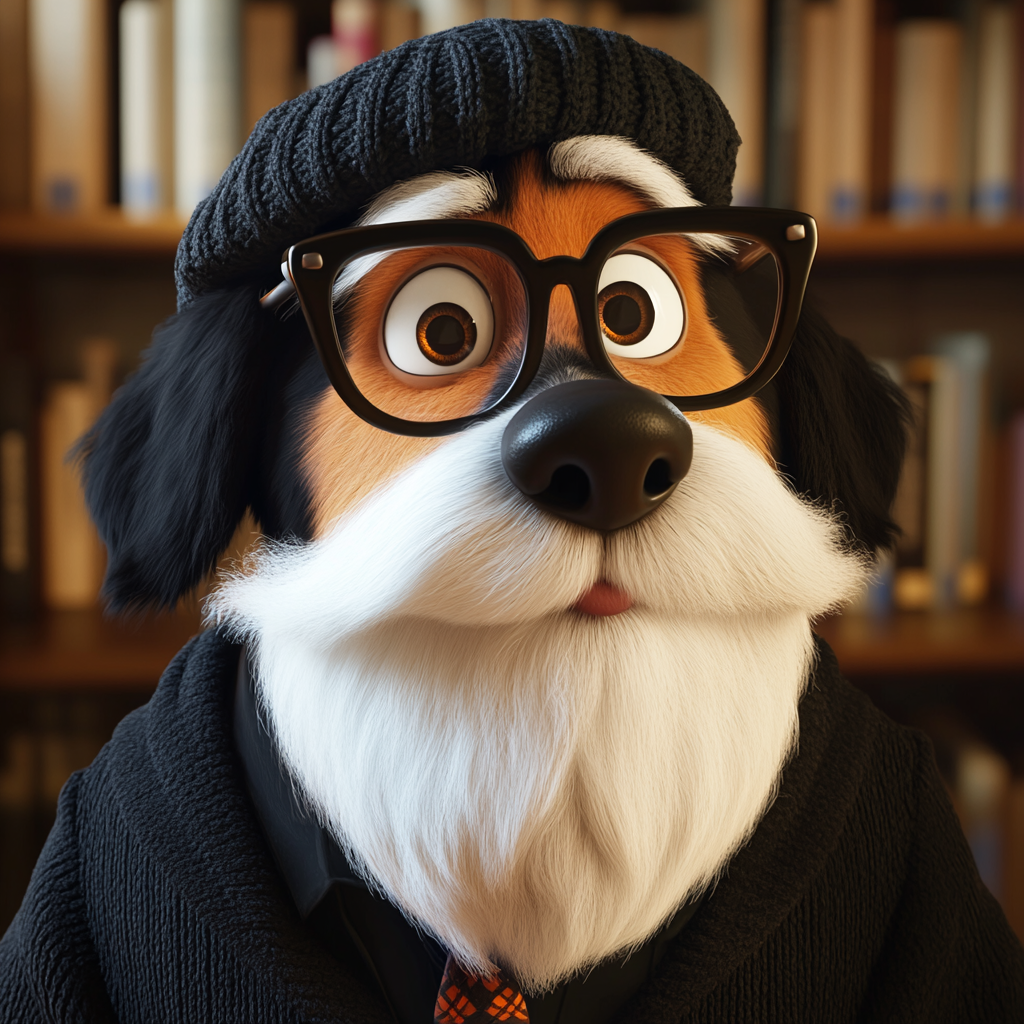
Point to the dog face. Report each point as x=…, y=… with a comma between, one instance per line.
x=536, y=781
x=346, y=459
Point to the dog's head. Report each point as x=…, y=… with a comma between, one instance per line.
x=539, y=675
x=474, y=669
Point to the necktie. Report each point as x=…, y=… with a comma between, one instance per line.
x=470, y=997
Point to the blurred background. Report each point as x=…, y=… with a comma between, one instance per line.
x=897, y=123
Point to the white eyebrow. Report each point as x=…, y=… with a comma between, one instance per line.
x=617, y=159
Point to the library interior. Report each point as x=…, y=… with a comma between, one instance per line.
x=897, y=124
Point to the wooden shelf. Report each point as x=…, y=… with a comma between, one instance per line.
x=86, y=651
x=883, y=239
x=110, y=232
x=982, y=640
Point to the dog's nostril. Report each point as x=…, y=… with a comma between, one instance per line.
x=569, y=488
x=658, y=478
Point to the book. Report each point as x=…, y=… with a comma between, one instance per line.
x=69, y=105
x=782, y=117
x=207, y=96
x=146, y=113
x=72, y=565
x=682, y=36
x=322, y=64
x=993, y=180
x=736, y=70
x=1015, y=539
x=354, y=29
x=18, y=508
x=883, y=62
x=399, y=21
x=850, y=180
x=268, y=57
x=926, y=117
x=437, y=15
x=819, y=45
x=14, y=104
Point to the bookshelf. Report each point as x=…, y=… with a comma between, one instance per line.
x=112, y=233
x=81, y=651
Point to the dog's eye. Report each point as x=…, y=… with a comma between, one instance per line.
x=639, y=306
x=439, y=322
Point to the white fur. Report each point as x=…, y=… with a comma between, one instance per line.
x=538, y=788
x=612, y=158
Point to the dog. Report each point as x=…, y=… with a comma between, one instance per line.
x=536, y=730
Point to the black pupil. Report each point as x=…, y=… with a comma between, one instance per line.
x=445, y=335
x=622, y=315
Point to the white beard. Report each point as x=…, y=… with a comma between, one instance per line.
x=538, y=788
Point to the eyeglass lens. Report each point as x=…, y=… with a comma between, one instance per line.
x=433, y=333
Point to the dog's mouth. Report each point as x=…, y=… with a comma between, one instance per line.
x=604, y=598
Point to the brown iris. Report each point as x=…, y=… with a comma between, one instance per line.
x=445, y=333
x=626, y=312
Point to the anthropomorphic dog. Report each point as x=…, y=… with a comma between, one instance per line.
x=518, y=713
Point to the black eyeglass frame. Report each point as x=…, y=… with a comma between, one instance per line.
x=315, y=263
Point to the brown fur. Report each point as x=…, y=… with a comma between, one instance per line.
x=346, y=458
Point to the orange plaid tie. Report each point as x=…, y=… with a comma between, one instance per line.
x=469, y=996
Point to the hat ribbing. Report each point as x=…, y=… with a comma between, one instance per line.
x=490, y=88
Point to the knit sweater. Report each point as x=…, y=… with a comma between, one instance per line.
x=156, y=898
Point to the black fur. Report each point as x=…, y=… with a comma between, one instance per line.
x=843, y=430
x=189, y=442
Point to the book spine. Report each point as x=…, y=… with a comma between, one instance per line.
x=144, y=106
x=783, y=102
x=14, y=104
x=1015, y=575
x=851, y=172
x=996, y=114
x=817, y=108
x=207, y=96
x=682, y=36
x=269, y=29
x=354, y=28
x=969, y=354
x=942, y=557
x=736, y=70
x=926, y=117
x=68, y=62
x=399, y=21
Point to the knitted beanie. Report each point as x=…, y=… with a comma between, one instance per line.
x=489, y=88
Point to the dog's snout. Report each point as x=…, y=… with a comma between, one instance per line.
x=602, y=453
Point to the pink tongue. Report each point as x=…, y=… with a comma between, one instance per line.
x=604, y=599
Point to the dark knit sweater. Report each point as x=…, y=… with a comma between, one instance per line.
x=156, y=898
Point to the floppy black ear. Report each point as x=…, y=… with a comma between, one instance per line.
x=170, y=465
x=843, y=426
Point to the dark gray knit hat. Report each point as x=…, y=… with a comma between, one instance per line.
x=490, y=88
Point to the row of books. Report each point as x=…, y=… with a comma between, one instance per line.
x=960, y=502
x=845, y=106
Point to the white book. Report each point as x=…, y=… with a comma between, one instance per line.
x=736, y=70
x=322, y=63
x=995, y=115
x=207, y=96
x=69, y=88
x=851, y=170
x=268, y=57
x=145, y=103
x=815, y=159
x=926, y=117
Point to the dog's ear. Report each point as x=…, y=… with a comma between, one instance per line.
x=170, y=466
x=843, y=426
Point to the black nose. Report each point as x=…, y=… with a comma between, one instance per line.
x=599, y=452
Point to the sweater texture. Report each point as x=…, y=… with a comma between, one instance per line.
x=156, y=898
x=455, y=99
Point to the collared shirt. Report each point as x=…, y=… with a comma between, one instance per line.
x=361, y=926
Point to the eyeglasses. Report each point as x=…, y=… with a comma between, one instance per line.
x=426, y=327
